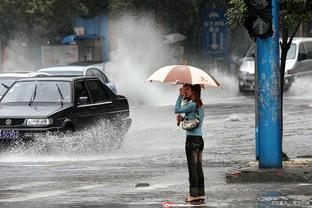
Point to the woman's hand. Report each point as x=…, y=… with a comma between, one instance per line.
x=182, y=91
x=179, y=118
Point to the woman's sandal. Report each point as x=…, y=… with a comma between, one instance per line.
x=195, y=198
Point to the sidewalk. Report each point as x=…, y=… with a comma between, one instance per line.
x=293, y=171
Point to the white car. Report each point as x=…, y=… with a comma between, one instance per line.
x=80, y=70
x=298, y=60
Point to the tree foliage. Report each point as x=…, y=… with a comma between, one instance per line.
x=42, y=20
x=294, y=11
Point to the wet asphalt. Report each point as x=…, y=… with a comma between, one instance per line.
x=153, y=152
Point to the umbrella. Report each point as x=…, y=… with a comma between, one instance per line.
x=173, y=38
x=183, y=74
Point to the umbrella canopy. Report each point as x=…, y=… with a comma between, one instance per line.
x=184, y=74
x=173, y=38
x=71, y=38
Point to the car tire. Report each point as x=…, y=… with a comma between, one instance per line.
x=4, y=145
x=68, y=129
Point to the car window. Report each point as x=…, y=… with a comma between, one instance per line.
x=81, y=91
x=251, y=52
x=89, y=72
x=291, y=54
x=4, y=83
x=302, y=51
x=106, y=80
x=39, y=91
x=100, y=75
x=308, y=46
x=97, y=91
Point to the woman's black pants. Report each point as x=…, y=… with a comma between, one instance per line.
x=194, y=147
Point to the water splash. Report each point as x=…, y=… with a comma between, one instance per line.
x=229, y=91
x=138, y=49
x=301, y=88
x=97, y=140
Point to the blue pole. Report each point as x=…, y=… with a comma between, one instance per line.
x=257, y=142
x=256, y=107
x=269, y=97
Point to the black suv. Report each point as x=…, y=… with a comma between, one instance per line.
x=32, y=107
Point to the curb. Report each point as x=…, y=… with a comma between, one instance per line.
x=293, y=171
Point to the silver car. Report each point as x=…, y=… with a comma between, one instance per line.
x=246, y=73
x=81, y=70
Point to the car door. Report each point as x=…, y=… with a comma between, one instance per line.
x=86, y=114
x=99, y=75
x=101, y=99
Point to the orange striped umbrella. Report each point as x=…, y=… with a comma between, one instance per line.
x=183, y=74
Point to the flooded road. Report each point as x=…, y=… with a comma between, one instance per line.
x=153, y=152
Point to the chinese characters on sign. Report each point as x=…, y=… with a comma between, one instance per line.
x=215, y=32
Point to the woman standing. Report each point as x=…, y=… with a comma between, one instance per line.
x=194, y=142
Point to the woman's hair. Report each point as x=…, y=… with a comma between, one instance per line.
x=196, y=90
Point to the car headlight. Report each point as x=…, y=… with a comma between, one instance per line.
x=244, y=74
x=39, y=122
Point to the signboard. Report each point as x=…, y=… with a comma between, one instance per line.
x=259, y=18
x=215, y=41
x=59, y=55
x=259, y=4
x=260, y=27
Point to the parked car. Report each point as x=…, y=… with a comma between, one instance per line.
x=35, y=106
x=8, y=78
x=81, y=70
x=298, y=61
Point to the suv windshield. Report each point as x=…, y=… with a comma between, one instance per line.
x=4, y=83
x=39, y=91
x=291, y=54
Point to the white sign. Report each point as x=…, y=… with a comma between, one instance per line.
x=79, y=31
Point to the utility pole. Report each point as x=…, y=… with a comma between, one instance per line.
x=269, y=98
x=262, y=23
